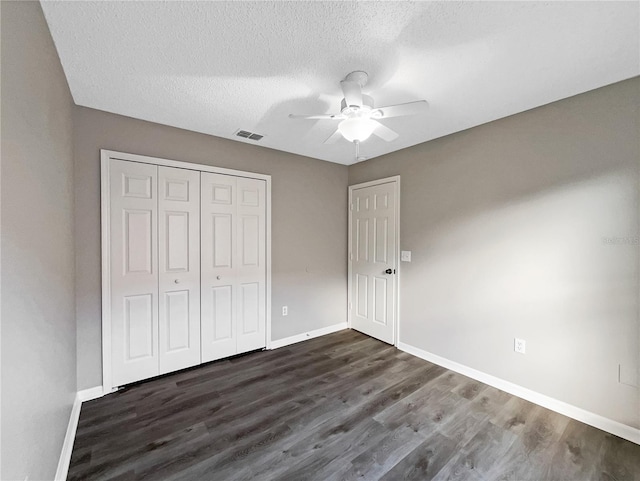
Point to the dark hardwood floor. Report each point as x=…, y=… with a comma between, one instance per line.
x=339, y=407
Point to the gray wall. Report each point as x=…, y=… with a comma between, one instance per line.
x=308, y=229
x=38, y=318
x=510, y=226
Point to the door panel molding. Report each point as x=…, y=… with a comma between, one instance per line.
x=362, y=233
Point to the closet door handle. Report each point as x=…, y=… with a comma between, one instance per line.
x=177, y=281
x=218, y=277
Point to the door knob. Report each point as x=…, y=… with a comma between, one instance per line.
x=218, y=277
x=389, y=271
x=177, y=281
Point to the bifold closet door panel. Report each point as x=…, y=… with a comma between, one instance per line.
x=218, y=284
x=250, y=262
x=233, y=270
x=179, y=268
x=133, y=219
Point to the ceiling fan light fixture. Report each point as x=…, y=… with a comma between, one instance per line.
x=357, y=128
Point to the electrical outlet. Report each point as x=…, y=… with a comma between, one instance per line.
x=519, y=345
x=285, y=310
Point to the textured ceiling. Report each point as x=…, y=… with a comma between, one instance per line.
x=216, y=67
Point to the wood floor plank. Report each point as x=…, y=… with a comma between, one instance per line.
x=332, y=456
x=529, y=454
x=110, y=461
x=515, y=415
x=486, y=448
x=408, y=410
x=425, y=461
x=620, y=460
x=576, y=454
x=489, y=401
x=337, y=408
x=263, y=464
x=230, y=462
x=224, y=446
x=449, y=380
x=381, y=457
x=469, y=390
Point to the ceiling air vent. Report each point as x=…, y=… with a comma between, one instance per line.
x=249, y=135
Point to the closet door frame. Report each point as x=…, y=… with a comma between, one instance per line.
x=105, y=158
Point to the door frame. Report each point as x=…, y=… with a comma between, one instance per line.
x=105, y=157
x=396, y=279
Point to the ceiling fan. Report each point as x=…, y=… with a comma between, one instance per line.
x=359, y=118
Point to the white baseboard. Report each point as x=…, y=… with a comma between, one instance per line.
x=90, y=394
x=69, y=437
x=609, y=425
x=308, y=335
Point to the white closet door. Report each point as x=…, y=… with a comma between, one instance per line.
x=233, y=239
x=179, y=268
x=218, y=291
x=134, y=271
x=250, y=261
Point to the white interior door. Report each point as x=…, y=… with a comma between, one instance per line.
x=233, y=265
x=179, y=268
x=373, y=257
x=250, y=262
x=134, y=271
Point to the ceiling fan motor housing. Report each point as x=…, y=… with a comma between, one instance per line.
x=367, y=105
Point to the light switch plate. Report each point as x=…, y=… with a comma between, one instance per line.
x=627, y=376
x=405, y=256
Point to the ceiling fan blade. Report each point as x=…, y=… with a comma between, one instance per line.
x=334, y=137
x=352, y=92
x=385, y=133
x=316, y=117
x=410, y=108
